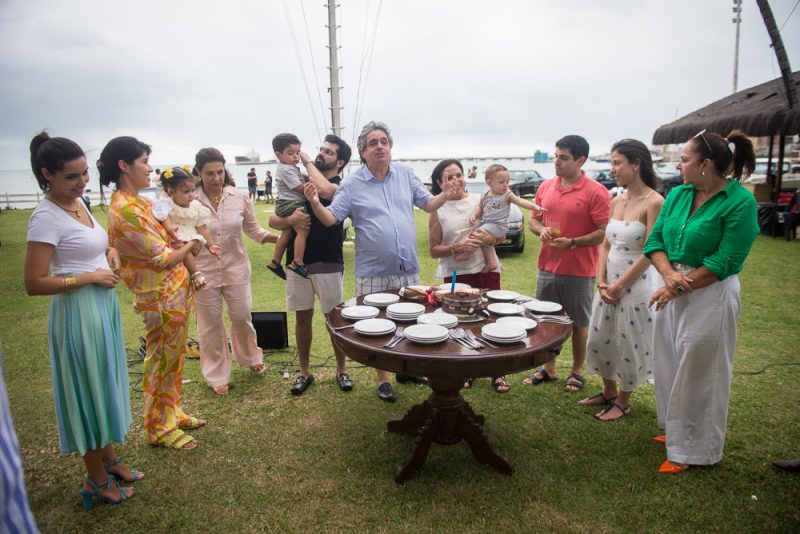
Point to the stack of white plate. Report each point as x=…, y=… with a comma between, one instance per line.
x=442, y=319
x=501, y=333
x=381, y=300
x=374, y=327
x=356, y=313
x=524, y=322
x=405, y=311
x=502, y=294
x=427, y=334
x=505, y=308
x=543, y=306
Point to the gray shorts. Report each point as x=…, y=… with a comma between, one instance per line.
x=573, y=292
x=285, y=207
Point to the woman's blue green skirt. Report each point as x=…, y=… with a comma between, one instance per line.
x=89, y=369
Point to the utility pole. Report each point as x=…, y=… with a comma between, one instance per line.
x=333, y=66
x=737, y=19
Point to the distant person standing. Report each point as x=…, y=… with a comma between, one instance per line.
x=472, y=173
x=572, y=225
x=268, y=187
x=252, y=183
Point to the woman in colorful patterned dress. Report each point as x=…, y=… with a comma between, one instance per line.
x=68, y=257
x=620, y=345
x=155, y=274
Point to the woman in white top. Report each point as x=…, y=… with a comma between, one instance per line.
x=449, y=234
x=68, y=257
x=620, y=345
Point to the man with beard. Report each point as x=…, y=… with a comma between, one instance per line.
x=323, y=259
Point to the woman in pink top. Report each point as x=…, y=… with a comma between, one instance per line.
x=227, y=277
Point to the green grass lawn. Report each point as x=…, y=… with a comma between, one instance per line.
x=269, y=462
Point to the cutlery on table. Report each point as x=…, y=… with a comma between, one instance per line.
x=335, y=328
x=482, y=340
x=397, y=338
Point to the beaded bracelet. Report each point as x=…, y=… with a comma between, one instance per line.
x=452, y=250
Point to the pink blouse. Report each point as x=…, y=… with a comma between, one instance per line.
x=234, y=214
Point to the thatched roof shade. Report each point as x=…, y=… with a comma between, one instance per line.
x=758, y=111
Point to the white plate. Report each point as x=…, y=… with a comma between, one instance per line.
x=459, y=286
x=543, y=306
x=504, y=308
x=402, y=318
x=360, y=312
x=381, y=299
x=406, y=308
x=374, y=327
x=504, y=340
x=502, y=294
x=524, y=322
x=499, y=331
x=422, y=333
x=427, y=341
x=442, y=319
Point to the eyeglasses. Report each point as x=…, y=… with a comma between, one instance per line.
x=701, y=135
x=327, y=151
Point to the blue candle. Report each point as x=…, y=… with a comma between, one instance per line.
x=453, y=283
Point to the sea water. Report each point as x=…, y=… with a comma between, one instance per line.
x=15, y=182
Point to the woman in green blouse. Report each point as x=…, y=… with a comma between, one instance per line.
x=699, y=242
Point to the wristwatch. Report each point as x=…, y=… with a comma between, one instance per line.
x=573, y=243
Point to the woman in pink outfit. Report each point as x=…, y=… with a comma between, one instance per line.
x=227, y=277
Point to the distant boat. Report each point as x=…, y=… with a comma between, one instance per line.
x=251, y=158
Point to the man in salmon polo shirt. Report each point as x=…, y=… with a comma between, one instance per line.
x=571, y=228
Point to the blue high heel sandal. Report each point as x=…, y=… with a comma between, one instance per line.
x=118, y=459
x=88, y=498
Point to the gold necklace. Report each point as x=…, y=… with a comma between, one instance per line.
x=76, y=212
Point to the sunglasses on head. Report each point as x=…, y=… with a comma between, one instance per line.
x=701, y=134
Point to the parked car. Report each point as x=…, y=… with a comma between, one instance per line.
x=523, y=183
x=515, y=237
x=603, y=176
x=668, y=183
x=791, y=173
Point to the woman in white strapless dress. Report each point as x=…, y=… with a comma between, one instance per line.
x=620, y=341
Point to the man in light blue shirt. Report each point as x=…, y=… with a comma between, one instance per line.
x=379, y=198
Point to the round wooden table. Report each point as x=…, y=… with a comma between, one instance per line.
x=445, y=417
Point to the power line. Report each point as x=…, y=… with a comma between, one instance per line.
x=790, y=15
x=314, y=67
x=367, y=58
x=302, y=70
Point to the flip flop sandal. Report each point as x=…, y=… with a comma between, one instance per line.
x=193, y=424
x=596, y=400
x=178, y=440
x=624, y=411
x=576, y=381
x=468, y=383
x=500, y=382
x=259, y=369
x=535, y=380
x=221, y=390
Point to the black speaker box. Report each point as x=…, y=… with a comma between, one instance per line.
x=271, y=329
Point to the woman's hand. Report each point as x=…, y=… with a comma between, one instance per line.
x=215, y=250
x=113, y=259
x=609, y=293
x=467, y=246
x=196, y=246
x=105, y=278
x=677, y=283
x=660, y=298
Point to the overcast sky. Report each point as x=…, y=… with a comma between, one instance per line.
x=454, y=77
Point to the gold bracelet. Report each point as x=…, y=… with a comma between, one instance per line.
x=69, y=283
